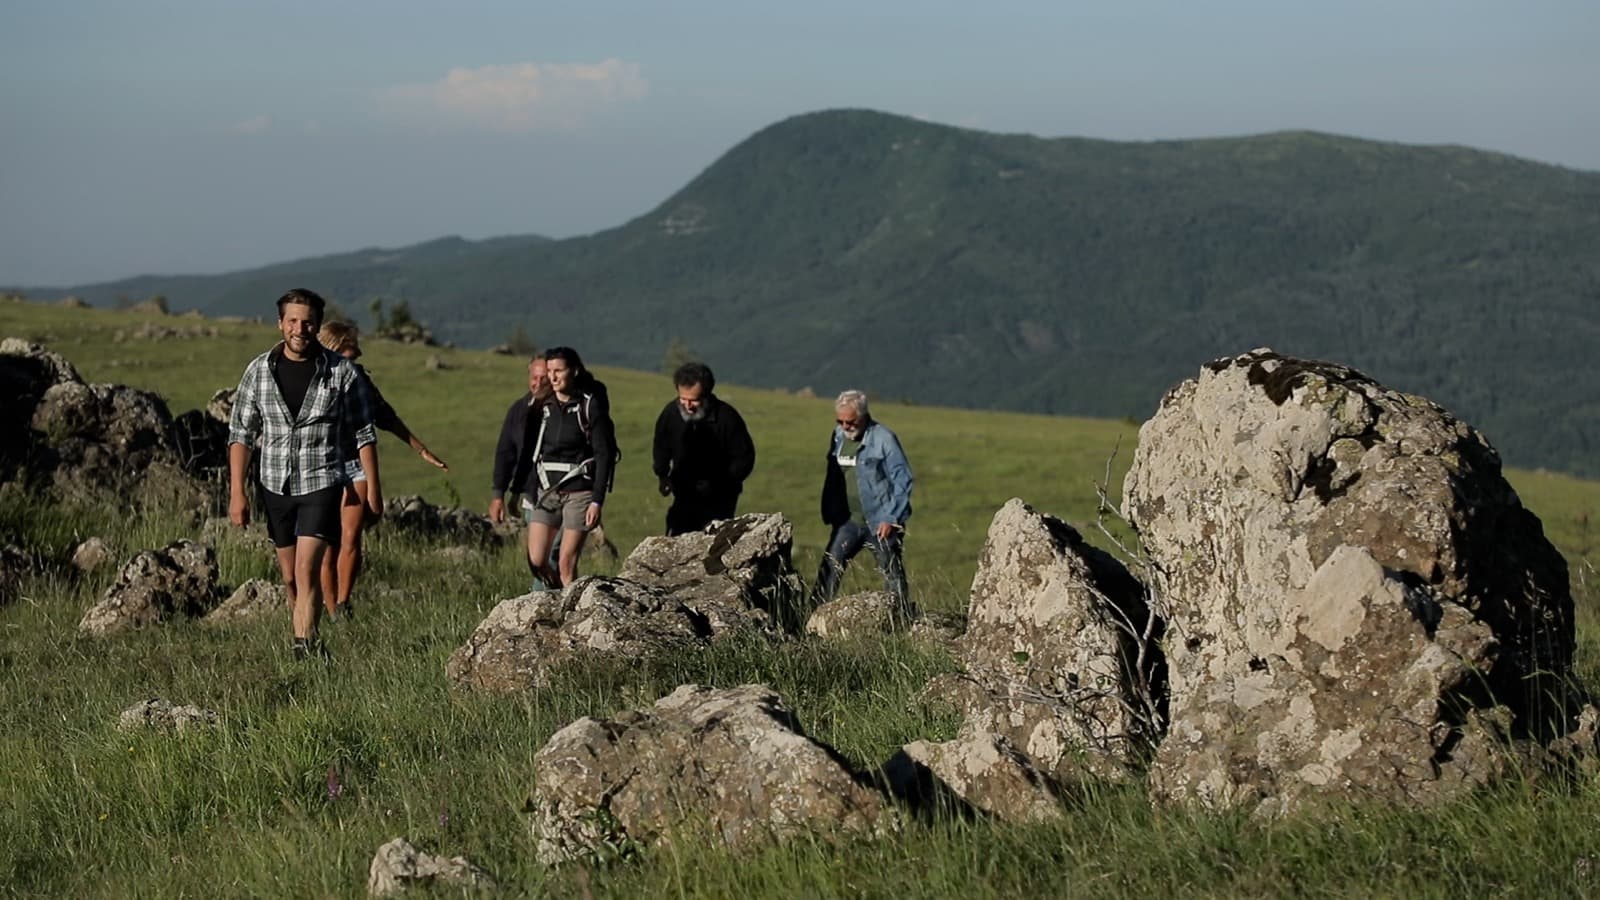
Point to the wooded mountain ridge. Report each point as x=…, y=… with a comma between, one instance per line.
x=948, y=266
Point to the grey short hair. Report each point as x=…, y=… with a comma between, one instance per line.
x=855, y=401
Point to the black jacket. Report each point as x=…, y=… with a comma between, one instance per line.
x=511, y=462
x=711, y=457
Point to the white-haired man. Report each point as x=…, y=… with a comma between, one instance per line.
x=867, y=507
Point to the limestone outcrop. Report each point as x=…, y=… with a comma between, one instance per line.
x=1356, y=601
x=86, y=441
x=524, y=638
x=729, y=764
x=735, y=568
x=156, y=585
x=1061, y=653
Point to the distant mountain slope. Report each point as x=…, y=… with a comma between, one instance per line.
x=937, y=264
x=349, y=279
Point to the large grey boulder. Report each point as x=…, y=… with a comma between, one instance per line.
x=156, y=585
x=1061, y=653
x=729, y=764
x=735, y=568
x=524, y=638
x=1357, y=603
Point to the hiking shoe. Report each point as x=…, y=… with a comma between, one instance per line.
x=345, y=612
x=309, y=649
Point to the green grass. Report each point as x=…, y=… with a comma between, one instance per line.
x=246, y=809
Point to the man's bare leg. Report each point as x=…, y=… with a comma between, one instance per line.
x=307, y=558
x=286, y=569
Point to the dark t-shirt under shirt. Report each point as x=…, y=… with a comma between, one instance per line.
x=294, y=380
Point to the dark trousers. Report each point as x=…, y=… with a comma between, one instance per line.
x=846, y=541
x=691, y=514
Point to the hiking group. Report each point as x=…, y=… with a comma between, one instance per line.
x=307, y=414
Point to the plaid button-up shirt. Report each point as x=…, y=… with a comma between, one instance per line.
x=301, y=455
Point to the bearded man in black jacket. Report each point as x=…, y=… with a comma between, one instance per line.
x=702, y=452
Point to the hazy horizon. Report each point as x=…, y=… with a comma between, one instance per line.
x=185, y=137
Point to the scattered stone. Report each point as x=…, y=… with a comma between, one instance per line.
x=867, y=614
x=90, y=441
x=151, y=331
x=436, y=363
x=460, y=554
x=736, y=568
x=161, y=715
x=413, y=514
x=252, y=539
x=979, y=771
x=502, y=350
x=220, y=406
x=73, y=302
x=91, y=554
x=524, y=638
x=156, y=305
x=253, y=599
x=1357, y=602
x=398, y=865
x=180, y=579
x=731, y=761
x=1052, y=651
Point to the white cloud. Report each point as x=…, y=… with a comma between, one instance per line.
x=522, y=96
x=253, y=125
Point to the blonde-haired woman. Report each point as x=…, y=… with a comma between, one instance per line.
x=339, y=570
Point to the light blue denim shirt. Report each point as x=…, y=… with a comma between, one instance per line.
x=882, y=473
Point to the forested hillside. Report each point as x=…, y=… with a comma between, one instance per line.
x=943, y=265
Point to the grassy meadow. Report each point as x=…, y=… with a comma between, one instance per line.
x=313, y=768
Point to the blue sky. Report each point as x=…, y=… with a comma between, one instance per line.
x=169, y=136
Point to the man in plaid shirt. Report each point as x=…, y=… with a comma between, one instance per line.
x=294, y=405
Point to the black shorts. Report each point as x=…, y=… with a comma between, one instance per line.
x=309, y=515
